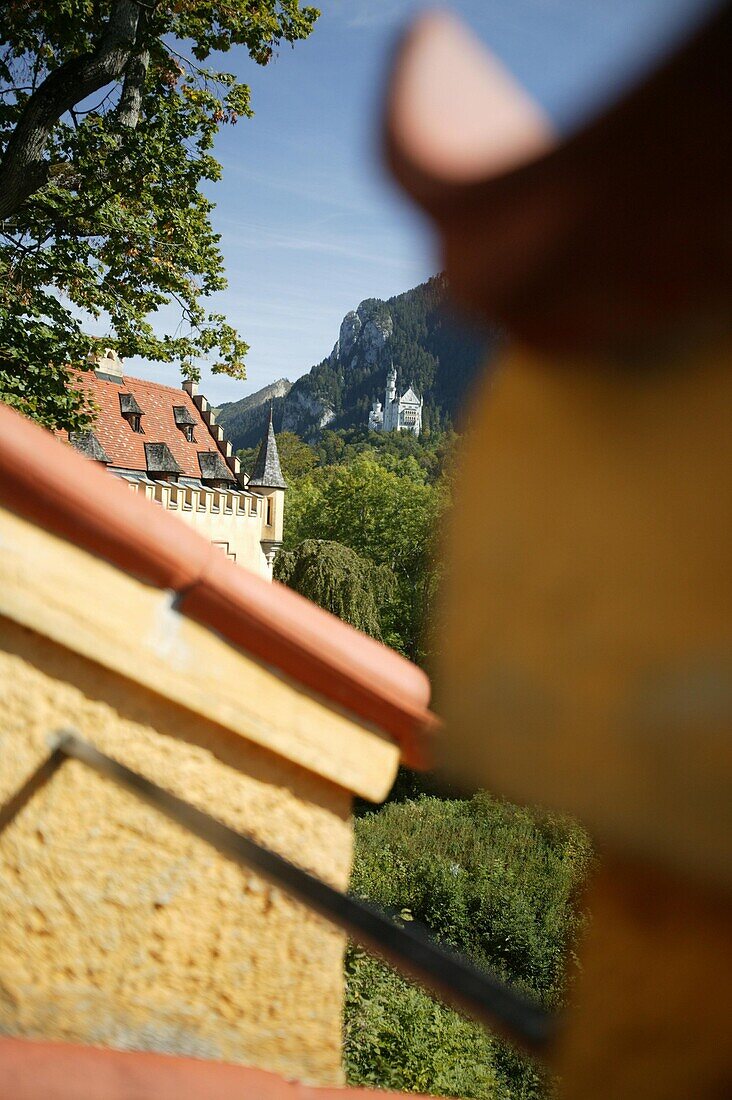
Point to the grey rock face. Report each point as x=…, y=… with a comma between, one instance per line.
x=306, y=414
x=362, y=335
x=280, y=388
x=375, y=334
x=349, y=331
x=362, y=338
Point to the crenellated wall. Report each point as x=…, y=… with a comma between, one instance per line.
x=234, y=520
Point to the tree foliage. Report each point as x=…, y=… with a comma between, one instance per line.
x=337, y=579
x=108, y=114
x=424, y=459
x=387, y=519
x=498, y=882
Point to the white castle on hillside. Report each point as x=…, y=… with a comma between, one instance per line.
x=399, y=414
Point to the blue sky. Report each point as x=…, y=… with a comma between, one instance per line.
x=309, y=223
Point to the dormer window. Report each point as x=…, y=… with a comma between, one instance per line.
x=185, y=421
x=131, y=412
x=214, y=472
x=87, y=444
x=161, y=465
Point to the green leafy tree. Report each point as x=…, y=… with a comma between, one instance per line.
x=400, y=452
x=497, y=882
x=387, y=519
x=337, y=579
x=108, y=114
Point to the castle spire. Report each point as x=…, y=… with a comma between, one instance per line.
x=267, y=472
x=391, y=380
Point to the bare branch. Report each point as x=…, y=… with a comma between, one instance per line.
x=23, y=169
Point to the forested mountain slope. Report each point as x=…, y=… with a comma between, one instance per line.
x=431, y=351
x=245, y=421
x=416, y=332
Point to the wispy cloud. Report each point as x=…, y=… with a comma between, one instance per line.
x=254, y=237
x=371, y=14
x=319, y=193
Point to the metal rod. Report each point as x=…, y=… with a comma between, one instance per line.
x=48, y=766
x=452, y=978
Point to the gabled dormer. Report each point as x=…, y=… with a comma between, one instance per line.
x=214, y=471
x=185, y=421
x=131, y=412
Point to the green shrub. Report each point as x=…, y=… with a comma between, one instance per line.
x=497, y=882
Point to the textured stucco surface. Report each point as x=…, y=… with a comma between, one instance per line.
x=118, y=928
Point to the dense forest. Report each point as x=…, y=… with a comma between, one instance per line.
x=499, y=883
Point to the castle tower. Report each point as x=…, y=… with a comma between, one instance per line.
x=376, y=417
x=391, y=414
x=391, y=381
x=400, y=413
x=267, y=481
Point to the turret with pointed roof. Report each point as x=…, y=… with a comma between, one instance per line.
x=267, y=472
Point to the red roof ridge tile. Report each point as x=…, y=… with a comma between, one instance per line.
x=46, y=481
x=157, y=385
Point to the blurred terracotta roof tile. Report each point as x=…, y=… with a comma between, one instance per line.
x=608, y=237
x=60, y=1071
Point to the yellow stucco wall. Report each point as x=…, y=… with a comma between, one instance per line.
x=117, y=927
x=223, y=518
x=242, y=535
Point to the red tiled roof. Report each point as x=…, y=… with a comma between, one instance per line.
x=126, y=448
x=49, y=483
x=61, y=1071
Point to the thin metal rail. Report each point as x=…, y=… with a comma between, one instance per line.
x=452, y=978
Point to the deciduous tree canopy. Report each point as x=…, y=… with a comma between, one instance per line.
x=337, y=579
x=387, y=517
x=108, y=113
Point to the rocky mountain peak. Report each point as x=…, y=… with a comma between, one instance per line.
x=430, y=351
x=364, y=332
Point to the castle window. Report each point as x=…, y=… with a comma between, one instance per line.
x=268, y=520
x=131, y=412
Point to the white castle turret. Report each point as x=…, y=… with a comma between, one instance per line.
x=376, y=417
x=399, y=414
x=391, y=381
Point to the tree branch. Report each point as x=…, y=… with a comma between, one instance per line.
x=23, y=168
x=130, y=103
